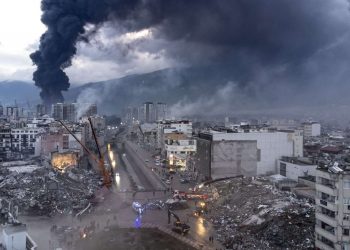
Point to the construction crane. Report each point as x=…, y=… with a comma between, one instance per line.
x=98, y=159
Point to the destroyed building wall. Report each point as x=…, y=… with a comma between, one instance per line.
x=60, y=141
x=51, y=142
x=230, y=158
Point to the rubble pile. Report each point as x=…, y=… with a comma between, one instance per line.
x=252, y=214
x=46, y=191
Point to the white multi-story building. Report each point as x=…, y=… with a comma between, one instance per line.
x=294, y=167
x=23, y=140
x=161, y=111
x=149, y=112
x=16, y=237
x=312, y=129
x=332, y=208
x=172, y=126
x=222, y=154
x=176, y=143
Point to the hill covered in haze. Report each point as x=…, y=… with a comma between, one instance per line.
x=172, y=86
x=208, y=90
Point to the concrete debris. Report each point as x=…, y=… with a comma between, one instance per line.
x=247, y=215
x=46, y=191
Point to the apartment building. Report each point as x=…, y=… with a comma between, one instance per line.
x=165, y=127
x=312, y=129
x=332, y=229
x=64, y=111
x=179, y=148
x=23, y=140
x=5, y=142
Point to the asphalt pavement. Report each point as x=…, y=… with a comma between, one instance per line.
x=116, y=207
x=200, y=228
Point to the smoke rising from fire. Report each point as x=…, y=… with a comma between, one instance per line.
x=241, y=37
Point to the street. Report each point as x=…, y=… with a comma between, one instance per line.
x=200, y=229
x=115, y=209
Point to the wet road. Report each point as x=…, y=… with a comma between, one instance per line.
x=200, y=229
x=136, y=164
x=116, y=209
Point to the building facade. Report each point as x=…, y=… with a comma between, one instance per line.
x=149, y=112
x=161, y=111
x=332, y=208
x=23, y=140
x=312, y=129
x=64, y=111
x=5, y=143
x=294, y=167
x=249, y=153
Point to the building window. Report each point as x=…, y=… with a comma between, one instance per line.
x=283, y=169
x=346, y=231
x=346, y=201
x=346, y=184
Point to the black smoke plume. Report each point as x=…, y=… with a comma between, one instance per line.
x=66, y=21
x=242, y=36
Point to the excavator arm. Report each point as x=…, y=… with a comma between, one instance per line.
x=105, y=174
x=99, y=160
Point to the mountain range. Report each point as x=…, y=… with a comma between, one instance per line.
x=202, y=91
x=172, y=86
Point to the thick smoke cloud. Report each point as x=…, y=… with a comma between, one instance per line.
x=66, y=21
x=280, y=43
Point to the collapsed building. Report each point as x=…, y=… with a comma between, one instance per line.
x=250, y=213
x=46, y=191
x=56, y=177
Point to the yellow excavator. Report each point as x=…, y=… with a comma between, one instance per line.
x=178, y=226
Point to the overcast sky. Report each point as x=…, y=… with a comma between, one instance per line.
x=181, y=42
x=258, y=50
x=21, y=29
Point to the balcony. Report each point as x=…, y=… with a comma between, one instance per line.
x=322, y=245
x=325, y=233
x=328, y=189
x=327, y=219
x=329, y=205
